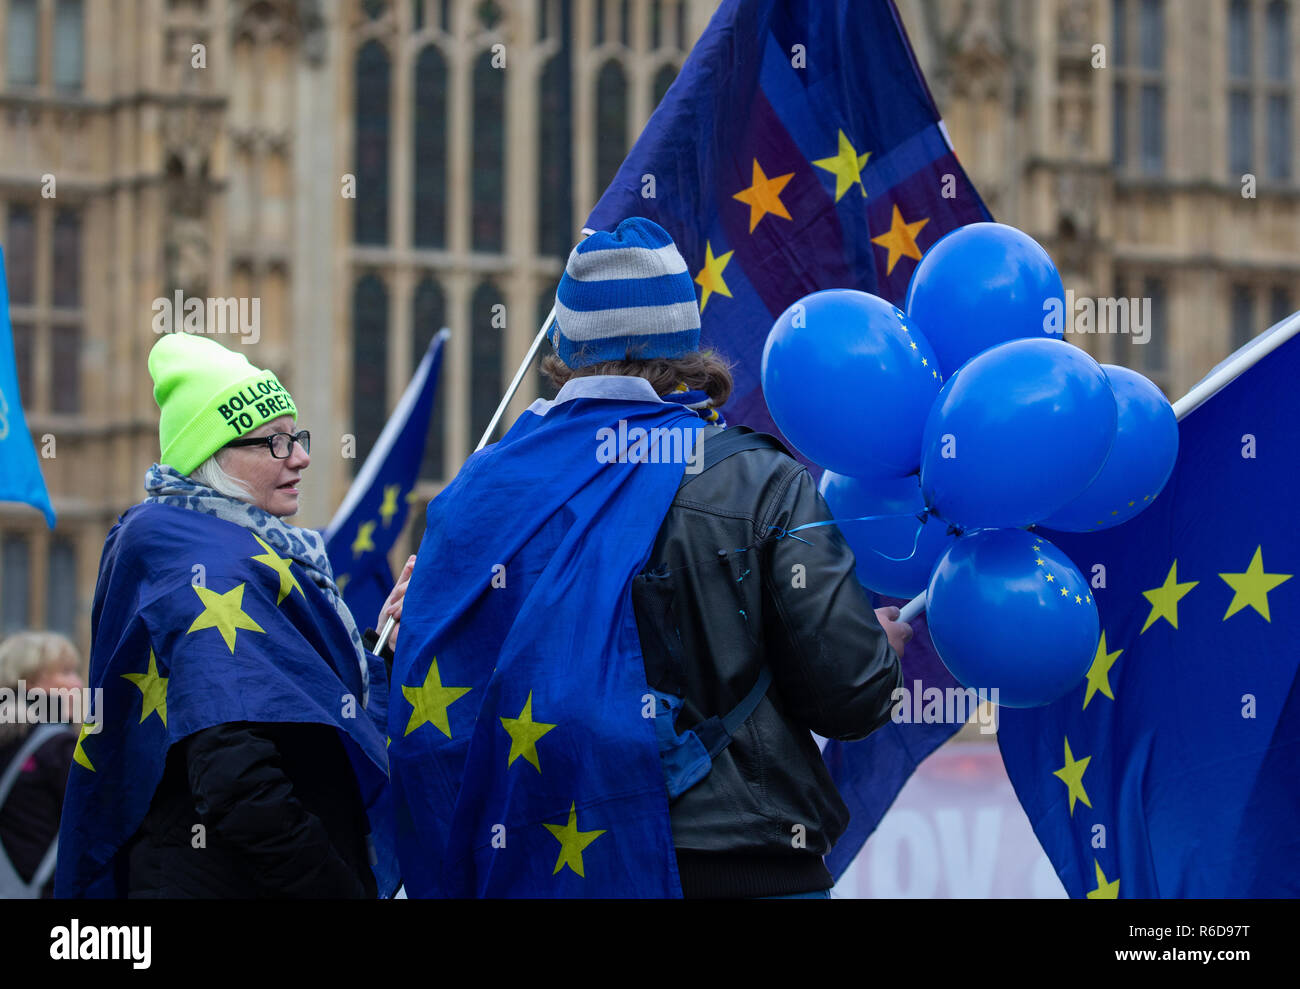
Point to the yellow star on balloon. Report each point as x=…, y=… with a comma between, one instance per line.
x=572, y=842
x=224, y=612
x=153, y=688
x=429, y=701
x=79, y=754
x=900, y=240
x=846, y=165
x=363, y=542
x=764, y=196
x=524, y=733
x=288, y=582
x=1071, y=774
x=1105, y=890
x=1164, y=599
x=389, y=508
x=1252, y=587
x=1099, y=671
x=710, y=276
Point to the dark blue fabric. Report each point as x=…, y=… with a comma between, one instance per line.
x=521, y=603
x=161, y=570
x=1192, y=735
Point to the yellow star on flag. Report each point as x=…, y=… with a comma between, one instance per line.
x=572, y=842
x=288, y=582
x=764, y=196
x=1164, y=599
x=524, y=733
x=79, y=754
x=363, y=542
x=429, y=702
x=153, y=688
x=224, y=612
x=846, y=165
x=900, y=240
x=1099, y=671
x=1071, y=774
x=710, y=276
x=1252, y=587
x=341, y=581
x=1105, y=890
x=389, y=508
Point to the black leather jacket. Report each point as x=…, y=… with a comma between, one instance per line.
x=760, y=822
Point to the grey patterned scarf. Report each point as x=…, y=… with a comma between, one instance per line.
x=167, y=486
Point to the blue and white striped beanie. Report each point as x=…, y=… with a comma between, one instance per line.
x=625, y=295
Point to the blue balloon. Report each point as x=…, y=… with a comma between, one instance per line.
x=1008, y=609
x=1140, y=462
x=849, y=382
x=1017, y=434
x=981, y=285
x=913, y=546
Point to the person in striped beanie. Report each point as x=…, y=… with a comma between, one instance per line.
x=626, y=305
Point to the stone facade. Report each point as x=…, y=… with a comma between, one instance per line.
x=476, y=135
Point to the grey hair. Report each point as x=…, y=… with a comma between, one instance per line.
x=210, y=474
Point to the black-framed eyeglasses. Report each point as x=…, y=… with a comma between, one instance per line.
x=280, y=444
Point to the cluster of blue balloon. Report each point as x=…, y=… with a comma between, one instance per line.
x=951, y=431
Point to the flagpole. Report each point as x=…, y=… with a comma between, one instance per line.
x=1207, y=386
x=524, y=365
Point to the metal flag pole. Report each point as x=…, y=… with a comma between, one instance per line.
x=524, y=365
x=1207, y=386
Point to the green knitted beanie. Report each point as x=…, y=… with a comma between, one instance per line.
x=208, y=396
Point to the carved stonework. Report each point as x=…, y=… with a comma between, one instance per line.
x=293, y=23
x=1073, y=17
x=188, y=133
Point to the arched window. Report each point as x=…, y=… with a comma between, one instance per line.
x=488, y=128
x=369, y=363
x=663, y=79
x=428, y=314
x=611, y=123
x=371, y=151
x=487, y=323
x=555, y=162
x=430, y=221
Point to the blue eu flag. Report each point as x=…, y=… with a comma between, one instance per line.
x=198, y=622
x=799, y=149
x=525, y=761
x=1170, y=770
x=20, y=472
x=372, y=516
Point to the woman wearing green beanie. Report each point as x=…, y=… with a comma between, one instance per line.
x=241, y=749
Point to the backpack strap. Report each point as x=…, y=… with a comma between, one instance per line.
x=716, y=733
x=735, y=439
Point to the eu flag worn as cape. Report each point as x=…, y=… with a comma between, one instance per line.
x=799, y=149
x=1170, y=771
x=198, y=622
x=20, y=471
x=524, y=761
x=372, y=516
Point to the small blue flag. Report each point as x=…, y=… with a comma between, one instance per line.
x=1170, y=770
x=198, y=622
x=20, y=472
x=372, y=516
x=799, y=149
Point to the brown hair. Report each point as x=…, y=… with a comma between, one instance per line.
x=700, y=370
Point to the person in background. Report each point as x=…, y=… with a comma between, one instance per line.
x=34, y=761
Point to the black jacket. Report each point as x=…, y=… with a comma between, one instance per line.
x=760, y=822
x=280, y=811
